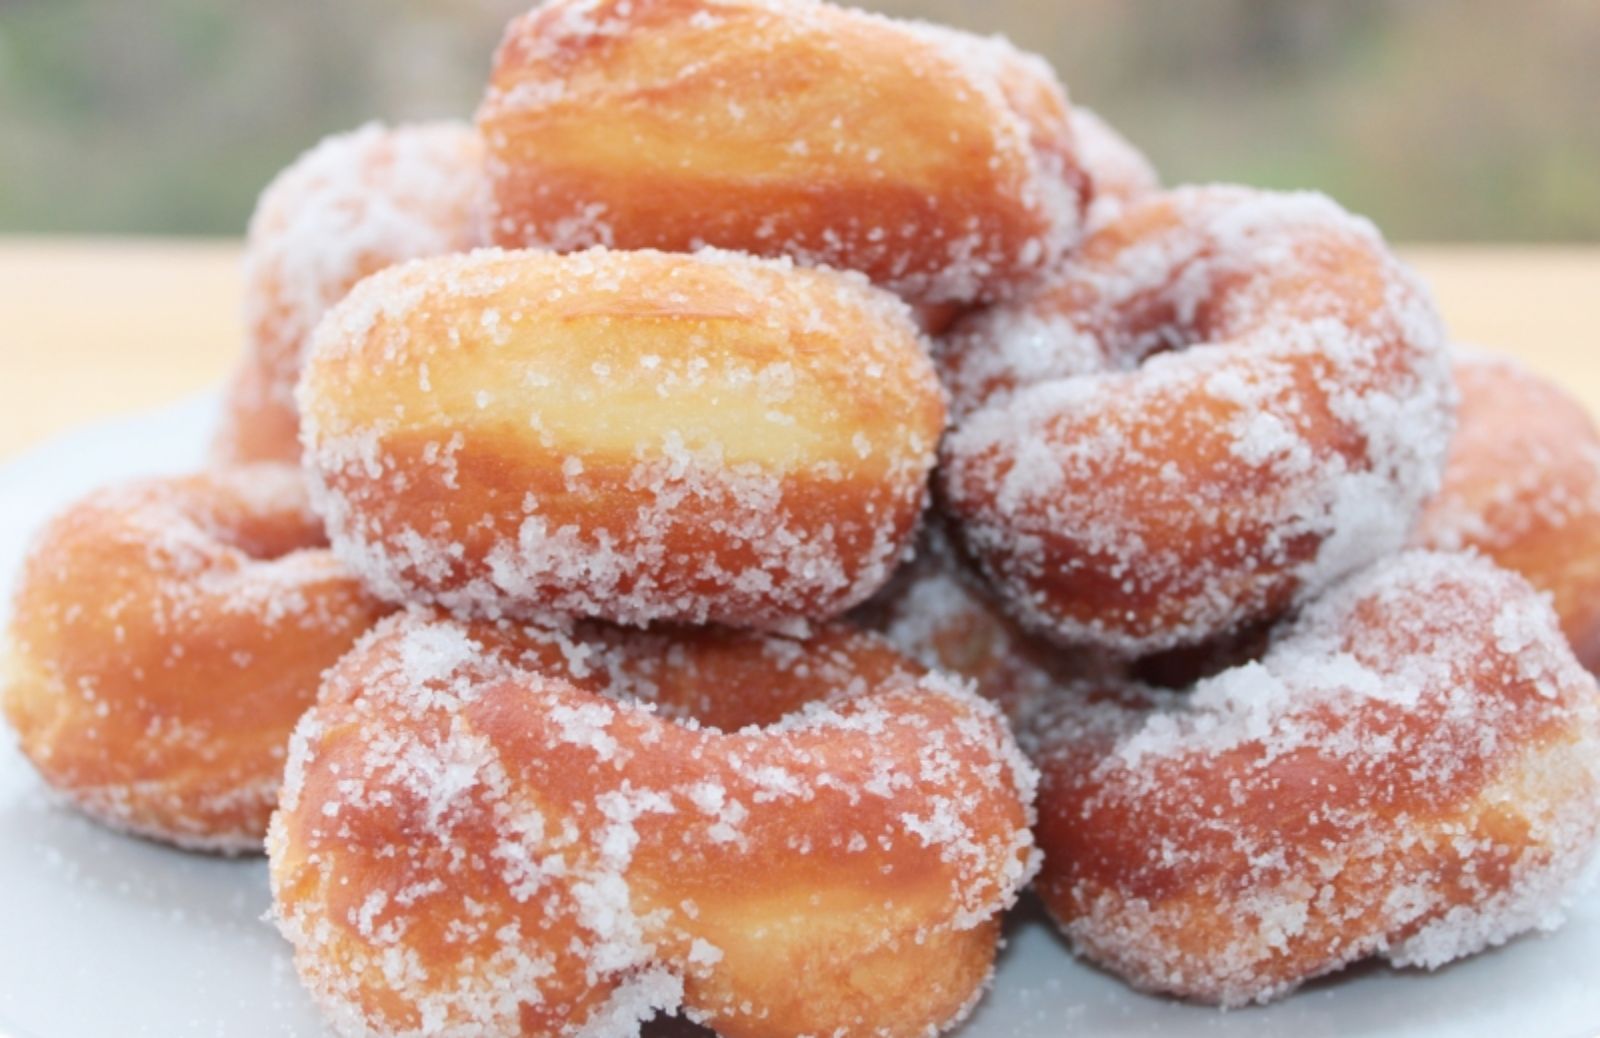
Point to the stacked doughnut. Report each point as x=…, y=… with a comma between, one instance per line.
x=721, y=461
x=165, y=637
x=494, y=828
x=1523, y=488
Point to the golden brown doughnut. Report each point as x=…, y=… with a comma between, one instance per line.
x=939, y=163
x=1411, y=771
x=354, y=204
x=482, y=833
x=630, y=436
x=1225, y=400
x=166, y=636
x=1522, y=486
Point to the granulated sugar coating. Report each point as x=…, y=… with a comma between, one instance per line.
x=484, y=832
x=166, y=636
x=353, y=205
x=939, y=163
x=1523, y=487
x=1411, y=771
x=1117, y=172
x=631, y=436
x=935, y=612
x=1224, y=401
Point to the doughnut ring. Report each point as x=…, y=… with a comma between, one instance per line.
x=1411, y=771
x=1186, y=431
x=166, y=636
x=628, y=436
x=354, y=204
x=477, y=838
x=940, y=164
x=1522, y=486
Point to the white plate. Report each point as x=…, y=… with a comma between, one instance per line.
x=104, y=935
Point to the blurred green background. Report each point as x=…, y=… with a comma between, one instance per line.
x=1443, y=119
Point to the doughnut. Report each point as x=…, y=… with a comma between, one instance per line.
x=1223, y=402
x=483, y=832
x=940, y=164
x=1411, y=771
x=634, y=437
x=1522, y=486
x=1116, y=171
x=165, y=637
x=354, y=204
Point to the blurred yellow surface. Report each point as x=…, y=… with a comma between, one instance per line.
x=95, y=328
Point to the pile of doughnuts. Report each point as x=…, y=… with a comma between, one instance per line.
x=704, y=537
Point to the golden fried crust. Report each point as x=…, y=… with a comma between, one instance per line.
x=353, y=205
x=475, y=839
x=1411, y=771
x=1523, y=486
x=940, y=164
x=1225, y=400
x=632, y=436
x=165, y=638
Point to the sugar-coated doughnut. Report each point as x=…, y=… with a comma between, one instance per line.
x=939, y=163
x=1117, y=173
x=354, y=204
x=1225, y=400
x=484, y=832
x=1411, y=771
x=1523, y=486
x=630, y=436
x=166, y=636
